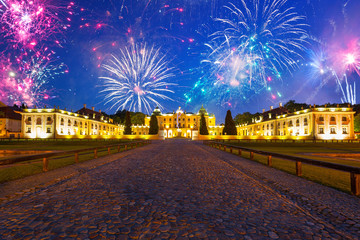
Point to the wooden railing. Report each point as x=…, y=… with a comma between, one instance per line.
x=45, y=156
x=354, y=171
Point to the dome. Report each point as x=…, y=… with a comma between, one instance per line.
x=202, y=111
x=157, y=111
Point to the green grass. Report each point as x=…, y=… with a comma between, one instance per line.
x=24, y=169
x=329, y=177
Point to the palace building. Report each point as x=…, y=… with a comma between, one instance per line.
x=181, y=123
x=10, y=122
x=56, y=123
x=325, y=123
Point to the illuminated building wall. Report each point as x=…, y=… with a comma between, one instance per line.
x=53, y=123
x=313, y=123
x=10, y=122
x=181, y=123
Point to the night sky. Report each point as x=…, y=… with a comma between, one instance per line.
x=181, y=29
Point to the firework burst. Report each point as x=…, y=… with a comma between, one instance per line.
x=137, y=79
x=268, y=35
x=259, y=41
x=26, y=81
x=27, y=23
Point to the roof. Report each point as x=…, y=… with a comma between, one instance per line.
x=156, y=112
x=203, y=110
x=9, y=112
x=90, y=113
x=273, y=112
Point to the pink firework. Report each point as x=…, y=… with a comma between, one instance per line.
x=26, y=80
x=25, y=23
x=346, y=59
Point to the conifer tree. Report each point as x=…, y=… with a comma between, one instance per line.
x=127, y=130
x=229, y=128
x=203, y=127
x=154, y=127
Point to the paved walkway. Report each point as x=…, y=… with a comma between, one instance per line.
x=182, y=190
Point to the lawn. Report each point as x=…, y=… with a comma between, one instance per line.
x=334, y=178
x=20, y=170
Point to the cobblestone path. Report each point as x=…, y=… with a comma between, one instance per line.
x=180, y=190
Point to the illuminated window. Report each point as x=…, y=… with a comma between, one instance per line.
x=48, y=130
x=305, y=131
x=344, y=131
x=28, y=130
x=321, y=130
x=332, y=130
x=61, y=130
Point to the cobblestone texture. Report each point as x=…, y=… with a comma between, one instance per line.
x=181, y=190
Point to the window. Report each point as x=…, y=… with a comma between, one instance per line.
x=48, y=119
x=29, y=119
x=38, y=121
x=344, y=119
x=85, y=125
x=188, y=125
x=305, y=131
x=62, y=131
x=62, y=122
x=188, y=119
x=183, y=125
x=81, y=124
x=48, y=130
x=28, y=130
x=332, y=119
x=344, y=131
x=183, y=119
x=75, y=123
x=69, y=123
x=69, y=132
x=332, y=130
x=272, y=126
x=164, y=119
x=170, y=120
x=298, y=123
x=321, y=119
x=321, y=130
x=290, y=124
x=267, y=127
x=305, y=122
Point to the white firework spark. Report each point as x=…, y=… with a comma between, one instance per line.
x=267, y=34
x=138, y=78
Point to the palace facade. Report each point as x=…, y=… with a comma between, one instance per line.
x=57, y=123
x=182, y=123
x=327, y=123
x=10, y=122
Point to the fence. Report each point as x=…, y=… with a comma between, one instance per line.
x=45, y=156
x=354, y=171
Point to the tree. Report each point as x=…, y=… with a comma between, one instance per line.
x=292, y=105
x=229, y=128
x=154, y=127
x=138, y=118
x=203, y=127
x=357, y=123
x=127, y=130
x=243, y=118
